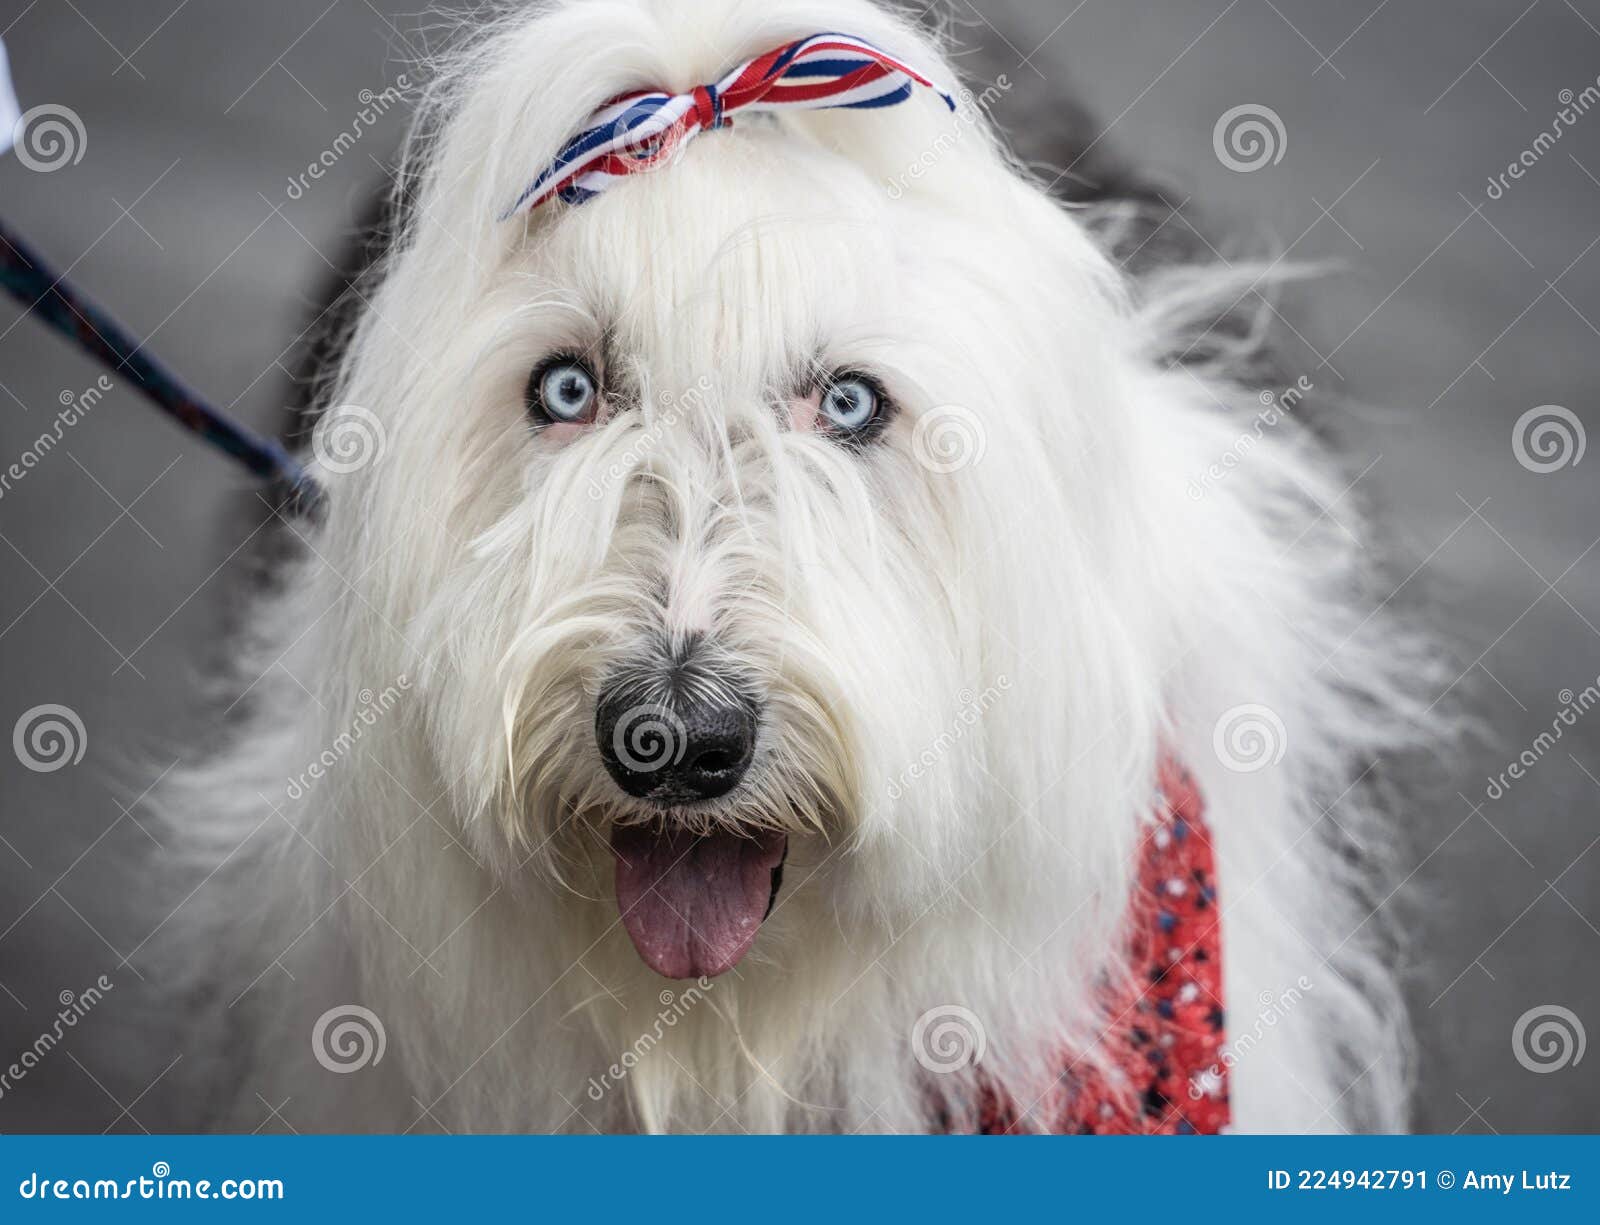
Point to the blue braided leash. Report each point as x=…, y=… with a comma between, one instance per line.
x=46, y=295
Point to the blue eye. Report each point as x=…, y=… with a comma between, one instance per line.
x=851, y=403
x=563, y=390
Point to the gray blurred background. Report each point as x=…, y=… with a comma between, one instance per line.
x=1453, y=315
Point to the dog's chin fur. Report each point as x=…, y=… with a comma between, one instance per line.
x=968, y=676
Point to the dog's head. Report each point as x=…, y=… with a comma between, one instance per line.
x=764, y=505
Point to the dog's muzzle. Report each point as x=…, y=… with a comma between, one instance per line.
x=691, y=902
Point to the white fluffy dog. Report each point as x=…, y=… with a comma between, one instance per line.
x=784, y=573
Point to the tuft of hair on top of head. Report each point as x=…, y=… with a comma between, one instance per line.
x=504, y=90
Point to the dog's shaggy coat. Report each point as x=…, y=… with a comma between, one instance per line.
x=973, y=636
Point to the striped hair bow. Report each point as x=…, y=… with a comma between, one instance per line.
x=641, y=131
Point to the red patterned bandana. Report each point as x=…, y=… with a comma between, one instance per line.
x=1163, y=1073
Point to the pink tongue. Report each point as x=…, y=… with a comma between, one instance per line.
x=692, y=906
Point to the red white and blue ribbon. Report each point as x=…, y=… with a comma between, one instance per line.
x=640, y=131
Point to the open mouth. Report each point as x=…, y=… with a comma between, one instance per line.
x=692, y=904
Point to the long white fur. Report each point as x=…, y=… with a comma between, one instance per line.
x=451, y=871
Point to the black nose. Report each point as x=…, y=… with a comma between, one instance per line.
x=687, y=746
